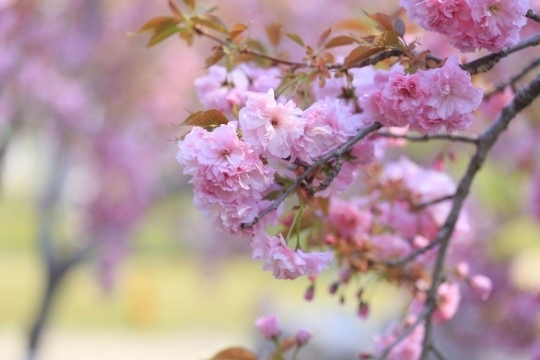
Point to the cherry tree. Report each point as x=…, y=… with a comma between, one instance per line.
x=282, y=137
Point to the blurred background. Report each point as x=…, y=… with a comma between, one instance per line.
x=102, y=254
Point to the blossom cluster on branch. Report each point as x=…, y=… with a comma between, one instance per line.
x=274, y=129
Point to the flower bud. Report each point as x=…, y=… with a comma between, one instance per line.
x=363, y=310
x=333, y=287
x=268, y=326
x=302, y=337
x=481, y=285
x=310, y=292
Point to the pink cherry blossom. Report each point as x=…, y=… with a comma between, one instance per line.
x=285, y=263
x=268, y=326
x=348, y=220
x=448, y=298
x=481, y=285
x=410, y=348
x=269, y=127
x=222, y=90
x=329, y=123
x=451, y=97
x=398, y=103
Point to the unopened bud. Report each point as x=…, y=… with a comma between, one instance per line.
x=310, y=293
x=363, y=310
x=333, y=287
x=302, y=337
x=481, y=285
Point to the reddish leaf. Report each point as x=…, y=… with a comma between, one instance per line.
x=158, y=23
x=353, y=25
x=361, y=53
x=237, y=30
x=210, y=22
x=387, y=38
x=287, y=344
x=273, y=31
x=214, y=58
x=162, y=35
x=384, y=22
x=340, y=41
x=175, y=10
x=399, y=27
x=297, y=39
x=209, y=119
x=324, y=36
x=235, y=353
x=190, y=4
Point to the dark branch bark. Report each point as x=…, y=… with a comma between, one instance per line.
x=425, y=138
x=512, y=82
x=487, y=62
x=486, y=141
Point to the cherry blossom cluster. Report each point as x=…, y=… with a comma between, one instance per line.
x=425, y=101
x=471, y=24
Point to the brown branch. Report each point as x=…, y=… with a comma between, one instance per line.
x=522, y=99
x=532, y=15
x=336, y=168
x=201, y=31
x=337, y=152
x=406, y=332
x=512, y=82
x=425, y=138
x=487, y=62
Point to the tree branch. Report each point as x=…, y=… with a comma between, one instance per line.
x=522, y=99
x=512, y=82
x=337, y=152
x=532, y=15
x=425, y=138
x=487, y=62
x=403, y=335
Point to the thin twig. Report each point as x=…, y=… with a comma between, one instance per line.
x=500, y=87
x=403, y=335
x=425, y=138
x=532, y=15
x=522, y=99
x=433, y=202
x=438, y=352
x=339, y=151
x=487, y=62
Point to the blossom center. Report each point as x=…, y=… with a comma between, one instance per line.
x=274, y=121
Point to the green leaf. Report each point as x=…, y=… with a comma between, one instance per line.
x=297, y=39
x=361, y=53
x=208, y=120
x=158, y=23
x=340, y=41
x=162, y=35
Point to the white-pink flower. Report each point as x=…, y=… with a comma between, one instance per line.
x=285, y=263
x=329, y=123
x=270, y=128
x=410, y=348
x=222, y=90
x=451, y=98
